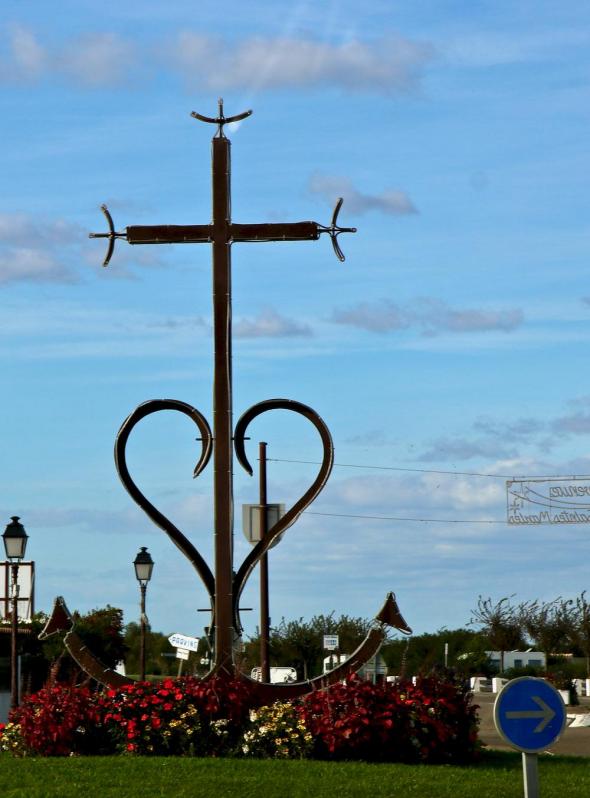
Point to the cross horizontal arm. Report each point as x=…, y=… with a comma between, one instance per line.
x=204, y=233
x=288, y=231
x=170, y=234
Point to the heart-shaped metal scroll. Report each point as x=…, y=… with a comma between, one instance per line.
x=175, y=535
x=300, y=505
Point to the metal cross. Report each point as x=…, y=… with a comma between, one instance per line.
x=221, y=233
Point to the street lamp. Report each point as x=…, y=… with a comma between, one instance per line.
x=144, y=565
x=15, y=543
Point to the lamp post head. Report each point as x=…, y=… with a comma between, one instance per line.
x=15, y=539
x=144, y=565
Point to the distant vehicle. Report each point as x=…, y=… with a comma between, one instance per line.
x=277, y=675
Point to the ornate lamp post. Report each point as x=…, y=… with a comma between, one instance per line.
x=15, y=543
x=144, y=565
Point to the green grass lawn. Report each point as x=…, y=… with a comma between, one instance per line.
x=499, y=775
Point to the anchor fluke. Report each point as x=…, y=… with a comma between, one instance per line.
x=390, y=614
x=334, y=230
x=60, y=620
x=111, y=235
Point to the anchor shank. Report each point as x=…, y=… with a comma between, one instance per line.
x=222, y=407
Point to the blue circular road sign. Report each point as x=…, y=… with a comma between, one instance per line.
x=529, y=714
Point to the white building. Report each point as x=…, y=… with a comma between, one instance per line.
x=518, y=659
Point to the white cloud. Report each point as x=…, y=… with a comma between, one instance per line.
x=22, y=229
x=269, y=324
x=390, y=65
x=391, y=202
x=92, y=59
x=99, y=59
x=443, y=496
x=387, y=66
x=457, y=448
x=36, y=250
x=26, y=58
x=32, y=265
x=432, y=316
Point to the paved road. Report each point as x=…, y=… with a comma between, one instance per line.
x=575, y=742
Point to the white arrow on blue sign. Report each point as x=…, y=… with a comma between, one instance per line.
x=529, y=714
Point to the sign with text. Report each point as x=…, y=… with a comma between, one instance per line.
x=184, y=641
x=331, y=642
x=548, y=501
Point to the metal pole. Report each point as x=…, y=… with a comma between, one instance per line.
x=222, y=407
x=142, y=636
x=13, y=641
x=530, y=775
x=264, y=600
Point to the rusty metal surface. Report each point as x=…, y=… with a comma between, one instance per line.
x=390, y=614
x=281, y=692
x=286, y=231
x=61, y=620
x=301, y=504
x=169, y=234
x=223, y=586
x=175, y=535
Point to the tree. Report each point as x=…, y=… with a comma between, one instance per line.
x=422, y=653
x=580, y=631
x=299, y=643
x=157, y=646
x=549, y=624
x=501, y=623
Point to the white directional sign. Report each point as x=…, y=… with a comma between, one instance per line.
x=182, y=653
x=183, y=641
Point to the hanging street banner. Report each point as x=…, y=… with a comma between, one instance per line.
x=563, y=500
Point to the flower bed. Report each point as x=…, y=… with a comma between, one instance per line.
x=433, y=721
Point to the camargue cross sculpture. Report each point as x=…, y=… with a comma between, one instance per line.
x=223, y=585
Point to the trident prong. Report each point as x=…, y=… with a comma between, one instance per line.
x=334, y=230
x=221, y=119
x=111, y=235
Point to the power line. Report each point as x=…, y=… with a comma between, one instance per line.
x=396, y=468
x=434, y=471
x=400, y=518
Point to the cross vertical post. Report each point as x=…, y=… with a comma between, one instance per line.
x=222, y=404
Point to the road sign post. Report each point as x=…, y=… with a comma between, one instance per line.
x=529, y=715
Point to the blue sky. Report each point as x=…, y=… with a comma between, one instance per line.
x=452, y=341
